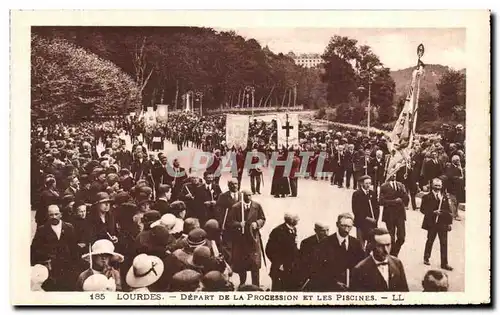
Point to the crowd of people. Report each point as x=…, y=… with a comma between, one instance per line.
x=137, y=220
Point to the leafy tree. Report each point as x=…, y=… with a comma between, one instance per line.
x=340, y=79
x=451, y=89
x=68, y=80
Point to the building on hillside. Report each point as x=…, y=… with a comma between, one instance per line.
x=306, y=60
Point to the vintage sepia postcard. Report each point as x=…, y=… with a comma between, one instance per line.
x=250, y=158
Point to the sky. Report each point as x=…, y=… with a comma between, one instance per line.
x=396, y=47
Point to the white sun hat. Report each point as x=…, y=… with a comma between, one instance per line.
x=99, y=283
x=39, y=273
x=145, y=271
x=101, y=247
x=167, y=220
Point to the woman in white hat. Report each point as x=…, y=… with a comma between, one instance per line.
x=145, y=271
x=99, y=283
x=101, y=254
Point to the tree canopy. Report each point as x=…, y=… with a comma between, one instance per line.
x=69, y=81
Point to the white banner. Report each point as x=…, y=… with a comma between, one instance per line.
x=162, y=113
x=237, y=130
x=288, y=127
x=150, y=117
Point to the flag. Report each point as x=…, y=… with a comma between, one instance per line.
x=150, y=117
x=288, y=128
x=162, y=113
x=237, y=130
x=401, y=137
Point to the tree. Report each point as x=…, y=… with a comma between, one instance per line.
x=69, y=82
x=451, y=90
x=340, y=79
x=426, y=108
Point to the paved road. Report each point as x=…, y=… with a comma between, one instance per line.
x=320, y=202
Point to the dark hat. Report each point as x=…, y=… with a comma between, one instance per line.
x=190, y=224
x=201, y=255
x=144, y=190
x=214, y=281
x=121, y=197
x=128, y=207
x=177, y=206
x=197, y=237
x=211, y=225
x=151, y=216
x=161, y=236
x=362, y=178
x=142, y=201
x=185, y=280
x=67, y=199
x=124, y=172
x=112, y=179
x=102, y=197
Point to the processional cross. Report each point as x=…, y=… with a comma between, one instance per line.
x=287, y=127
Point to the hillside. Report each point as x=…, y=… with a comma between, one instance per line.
x=432, y=76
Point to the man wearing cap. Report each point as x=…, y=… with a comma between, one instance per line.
x=365, y=208
x=244, y=221
x=282, y=251
x=56, y=242
x=100, y=256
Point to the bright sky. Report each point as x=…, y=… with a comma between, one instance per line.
x=396, y=47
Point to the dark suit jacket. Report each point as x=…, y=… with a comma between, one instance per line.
x=432, y=170
x=162, y=206
x=431, y=203
x=309, y=251
x=96, y=229
x=45, y=245
x=281, y=249
x=333, y=262
x=365, y=277
x=361, y=208
x=223, y=205
x=393, y=209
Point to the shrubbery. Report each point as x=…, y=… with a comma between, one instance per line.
x=71, y=83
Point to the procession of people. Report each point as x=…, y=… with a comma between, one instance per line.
x=115, y=218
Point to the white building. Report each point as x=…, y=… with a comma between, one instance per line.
x=307, y=60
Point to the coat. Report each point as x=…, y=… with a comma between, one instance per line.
x=361, y=209
x=96, y=229
x=333, y=261
x=282, y=251
x=162, y=206
x=309, y=253
x=203, y=194
x=394, y=209
x=431, y=170
x=63, y=254
x=431, y=203
x=365, y=277
x=223, y=205
x=246, y=244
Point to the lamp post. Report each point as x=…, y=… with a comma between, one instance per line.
x=250, y=89
x=371, y=77
x=200, y=97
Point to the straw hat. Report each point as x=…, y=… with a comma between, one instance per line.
x=39, y=273
x=101, y=247
x=145, y=271
x=99, y=283
x=167, y=220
